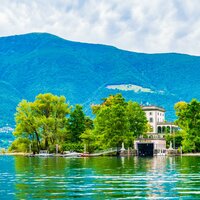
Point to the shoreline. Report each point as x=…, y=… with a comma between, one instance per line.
x=61, y=155
x=190, y=154
x=15, y=154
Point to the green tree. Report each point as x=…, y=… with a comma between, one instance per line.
x=43, y=121
x=89, y=123
x=88, y=139
x=51, y=112
x=27, y=126
x=117, y=121
x=189, y=121
x=176, y=138
x=138, y=123
x=76, y=123
x=87, y=136
x=20, y=145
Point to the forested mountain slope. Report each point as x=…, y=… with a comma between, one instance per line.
x=39, y=62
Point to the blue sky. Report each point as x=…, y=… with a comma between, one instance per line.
x=137, y=25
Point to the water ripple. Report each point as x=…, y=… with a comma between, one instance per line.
x=99, y=178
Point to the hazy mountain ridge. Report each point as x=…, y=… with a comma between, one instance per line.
x=36, y=63
x=6, y=136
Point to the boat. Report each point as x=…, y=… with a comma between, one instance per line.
x=44, y=153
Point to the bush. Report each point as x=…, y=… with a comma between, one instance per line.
x=20, y=145
x=177, y=137
x=78, y=147
x=3, y=151
x=52, y=149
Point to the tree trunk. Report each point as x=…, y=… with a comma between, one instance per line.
x=38, y=141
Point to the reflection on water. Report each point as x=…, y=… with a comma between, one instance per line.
x=100, y=178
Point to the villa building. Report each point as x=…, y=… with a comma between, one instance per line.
x=155, y=142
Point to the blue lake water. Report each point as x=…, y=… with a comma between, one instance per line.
x=99, y=178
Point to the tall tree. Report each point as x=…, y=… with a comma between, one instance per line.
x=27, y=126
x=189, y=121
x=111, y=123
x=118, y=122
x=87, y=136
x=76, y=123
x=42, y=121
x=138, y=123
x=89, y=123
x=51, y=111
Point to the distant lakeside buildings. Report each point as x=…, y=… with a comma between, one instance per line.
x=155, y=143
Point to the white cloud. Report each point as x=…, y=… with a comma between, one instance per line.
x=136, y=25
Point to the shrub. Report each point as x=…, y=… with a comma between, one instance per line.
x=20, y=145
x=78, y=147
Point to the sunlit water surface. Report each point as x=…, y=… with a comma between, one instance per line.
x=99, y=178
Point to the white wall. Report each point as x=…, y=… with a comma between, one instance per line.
x=153, y=117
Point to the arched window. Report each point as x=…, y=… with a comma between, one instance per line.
x=163, y=129
x=159, y=129
x=168, y=129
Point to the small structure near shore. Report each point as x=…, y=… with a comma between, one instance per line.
x=155, y=143
x=150, y=147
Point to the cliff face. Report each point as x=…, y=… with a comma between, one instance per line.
x=37, y=63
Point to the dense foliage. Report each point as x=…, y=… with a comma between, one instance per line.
x=43, y=121
x=175, y=139
x=189, y=121
x=76, y=123
x=118, y=122
x=49, y=120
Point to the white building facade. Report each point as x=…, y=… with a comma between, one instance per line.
x=155, y=141
x=155, y=115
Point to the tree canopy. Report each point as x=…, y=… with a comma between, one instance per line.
x=117, y=121
x=43, y=121
x=77, y=123
x=137, y=119
x=49, y=120
x=189, y=121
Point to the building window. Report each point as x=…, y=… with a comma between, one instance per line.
x=150, y=113
x=150, y=119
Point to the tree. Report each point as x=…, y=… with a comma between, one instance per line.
x=43, y=121
x=111, y=123
x=89, y=123
x=27, y=125
x=51, y=112
x=137, y=119
x=117, y=121
x=76, y=123
x=20, y=145
x=189, y=121
x=88, y=139
x=177, y=137
x=87, y=136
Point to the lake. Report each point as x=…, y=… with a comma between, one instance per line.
x=99, y=178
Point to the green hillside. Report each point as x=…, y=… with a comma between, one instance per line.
x=37, y=63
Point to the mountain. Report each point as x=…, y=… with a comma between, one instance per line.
x=39, y=62
x=6, y=137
